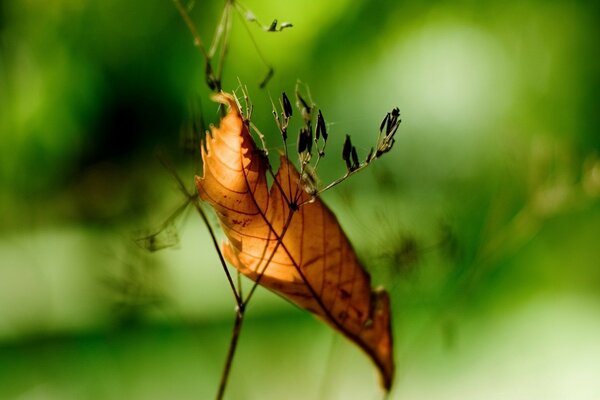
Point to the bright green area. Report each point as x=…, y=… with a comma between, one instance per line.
x=483, y=222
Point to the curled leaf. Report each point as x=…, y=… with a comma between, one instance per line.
x=301, y=253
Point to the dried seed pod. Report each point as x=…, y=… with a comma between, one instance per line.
x=302, y=145
x=370, y=155
x=321, y=127
x=303, y=106
x=305, y=140
x=346, y=152
x=287, y=106
x=302, y=102
x=273, y=26
x=309, y=138
x=384, y=122
x=355, y=162
x=393, y=122
x=390, y=122
x=347, y=148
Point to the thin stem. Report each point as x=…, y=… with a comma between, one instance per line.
x=279, y=242
x=170, y=220
x=338, y=181
x=239, y=283
x=225, y=46
x=320, y=154
x=194, y=198
x=240, y=9
x=276, y=183
x=260, y=135
x=188, y=21
x=218, y=33
x=283, y=126
x=238, y=299
x=235, y=335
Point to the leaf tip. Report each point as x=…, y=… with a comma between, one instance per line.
x=227, y=99
x=385, y=356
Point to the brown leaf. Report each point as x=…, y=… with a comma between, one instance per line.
x=300, y=253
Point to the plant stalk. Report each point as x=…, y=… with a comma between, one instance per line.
x=235, y=335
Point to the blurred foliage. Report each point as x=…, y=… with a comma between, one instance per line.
x=483, y=222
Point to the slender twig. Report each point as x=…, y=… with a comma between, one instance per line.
x=260, y=135
x=218, y=32
x=279, y=242
x=193, y=198
x=188, y=21
x=225, y=46
x=147, y=241
x=237, y=293
x=283, y=126
x=336, y=182
x=221, y=43
x=320, y=155
x=239, y=283
x=276, y=183
x=241, y=308
x=270, y=71
x=235, y=336
x=204, y=217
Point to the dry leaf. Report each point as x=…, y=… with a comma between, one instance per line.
x=301, y=253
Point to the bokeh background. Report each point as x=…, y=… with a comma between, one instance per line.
x=483, y=222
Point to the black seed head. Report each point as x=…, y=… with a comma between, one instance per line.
x=370, y=155
x=355, y=161
x=267, y=78
x=347, y=149
x=303, y=103
x=287, y=106
x=387, y=116
x=305, y=140
x=309, y=138
x=390, y=125
x=348, y=165
x=273, y=26
x=321, y=127
x=302, y=141
x=393, y=122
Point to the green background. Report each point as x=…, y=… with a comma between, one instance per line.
x=483, y=222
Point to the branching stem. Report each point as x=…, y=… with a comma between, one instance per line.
x=237, y=293
x=221, y=38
